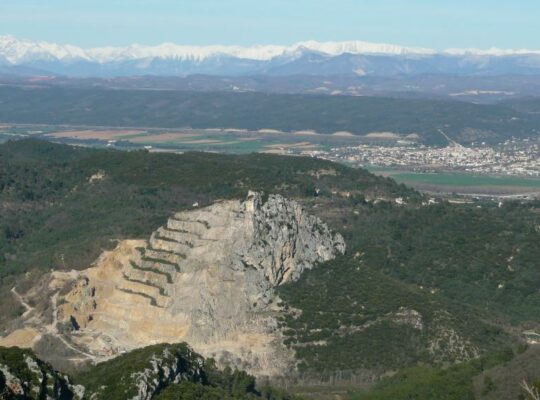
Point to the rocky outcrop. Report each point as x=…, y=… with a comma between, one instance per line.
x=447, y=343
x=166, y=368
x=207, y=277
x=140, y=375
x=286, y=241
x=143, y=373
x=23, y=376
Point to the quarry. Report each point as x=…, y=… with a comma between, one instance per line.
x=207, y=277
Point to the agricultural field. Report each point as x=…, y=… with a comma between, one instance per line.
x=465, y=183
x=240, y=141
x=234, y=141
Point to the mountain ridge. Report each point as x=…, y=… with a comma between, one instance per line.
x=15, y=50
x=311, y=57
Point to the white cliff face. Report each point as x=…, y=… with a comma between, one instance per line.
x=207, y=277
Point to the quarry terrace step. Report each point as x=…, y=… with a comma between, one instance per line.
x=161, y=255
x=149, y=279
x=148, y=292
x=143, y=273
x=168, y=267
x=180, y=237
x=181, y=232
x=200, y=217
x=213, y=234
x=158, y=243
x=189, y=237
x=196, y=227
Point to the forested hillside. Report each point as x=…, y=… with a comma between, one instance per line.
x=422, y=286
x=60, y=205
x=464, y=122
x=164, y=372
x=419, y=285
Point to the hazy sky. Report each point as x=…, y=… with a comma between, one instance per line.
x=436, y=24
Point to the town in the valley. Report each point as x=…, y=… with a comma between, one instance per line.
x=512, y=158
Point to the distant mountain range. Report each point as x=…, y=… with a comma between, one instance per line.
x=22, y=57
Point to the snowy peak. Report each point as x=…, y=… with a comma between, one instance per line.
x=359, y=47
x=494, y=51
x=18, y=51
x=178, y=52
x=308, y=57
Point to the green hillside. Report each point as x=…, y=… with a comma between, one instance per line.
x=439, y=283
x=161, y=372
x=54, y=215
x=421, y=286
x=464, y=122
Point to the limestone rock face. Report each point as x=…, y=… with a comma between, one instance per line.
x=286, y=241
x=165, y=368
x=207, y=277
x=33, y=379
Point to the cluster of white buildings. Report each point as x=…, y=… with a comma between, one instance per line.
x=517, y=158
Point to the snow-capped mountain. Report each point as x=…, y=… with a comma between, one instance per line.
x=310, y=58
x=19, y=51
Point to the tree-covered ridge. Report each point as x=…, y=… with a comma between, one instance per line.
x=425, y=284
x=166, y=372
x=24, y=376
x=483, y=254
x=496, y=376
x=464, y=122
x=436, y=383
x=54, y=214
x=170, y=372
x=354, y=317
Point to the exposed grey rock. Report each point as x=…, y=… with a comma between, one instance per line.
x=207, y=277
x=166, y=368
x=287, y=241
x=406, y=316
x=35, y=380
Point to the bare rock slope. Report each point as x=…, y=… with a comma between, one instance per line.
x=207, y=278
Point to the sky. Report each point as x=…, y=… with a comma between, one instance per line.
x=436, y=24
